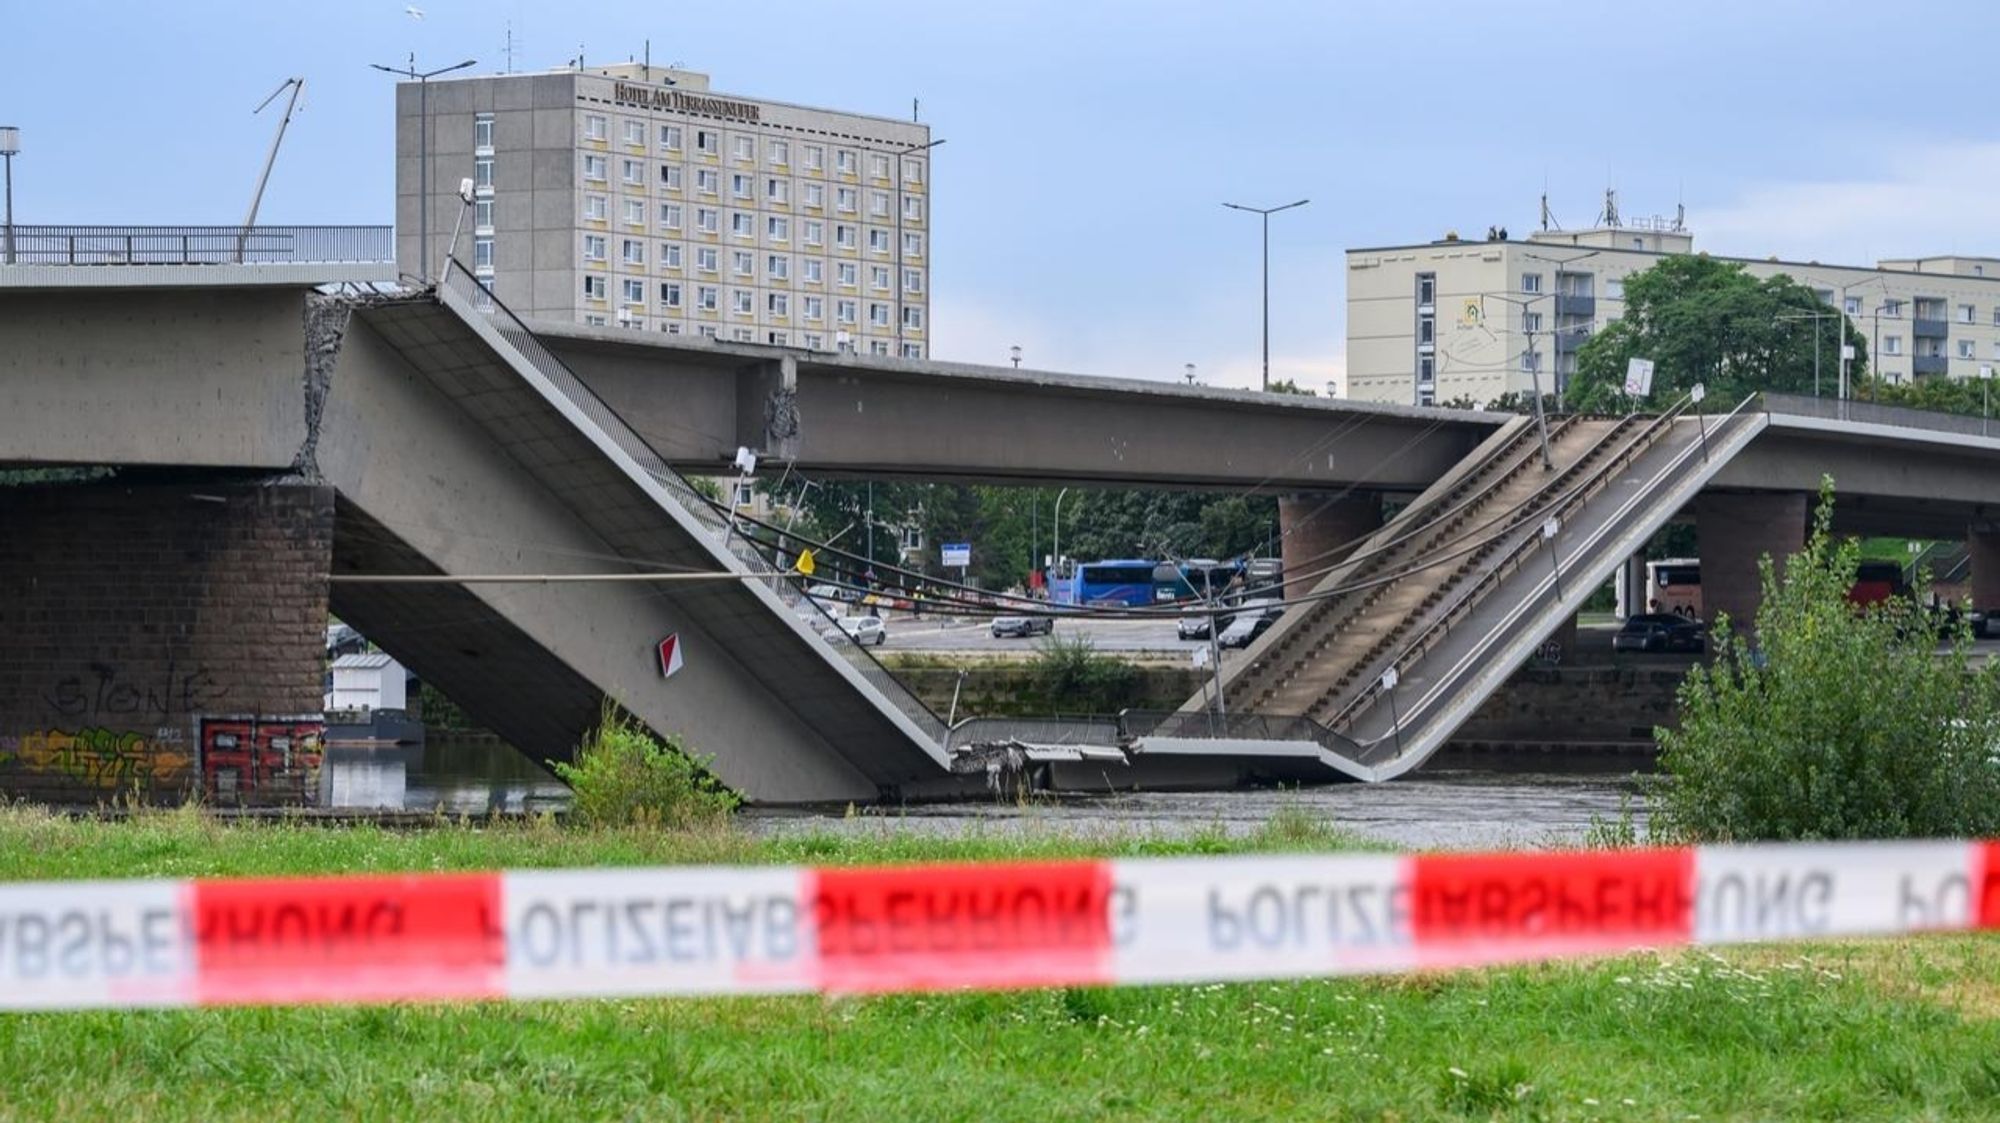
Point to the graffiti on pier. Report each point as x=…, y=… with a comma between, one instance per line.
x=106, y=760
x=108, y=692
x=261, y=760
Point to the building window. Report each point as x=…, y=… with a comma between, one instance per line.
x=670, y=176
x=482, y=131
x=844, y=311
x=707, y=181
x=815, y=342
x=815, y=158
x=777, y=267
x=671, y=329
x=878, y=314
x=843, y=161
x=741, y=301
x=705, y=259
x=878, y=167
x=778, y=304
x=878, y=278
x=708, y=141
x=1426, y=288
x=878, y=347
x=742, y=335
x=913, y=280
x=815, y=233
x=913, y=208
x=913, y=171
x=815, y=270
x=593, y=321
x=913, y=317
x=482, y=214
x=815, y=195
x=1996, y=315
x=778, y=191
x=780, y=152
x=482, y=253
x=635, y=133
x=595, y=208
x=705, y=299
x=594, y=126
x=843, y=199
x=1426, y=369
x=913, y=350
x=1530, y=321
x=815, y=308
x=740, y=224
x=593, y=288
x=878, y=241
x=707, y=219
x=743, y=264
x=706, y=331
x=633, y=171
x=848, y=275
x=1426, y=330
x=778, y=229
x=1893, y=309
x=739, y=186
x=1892, y=345
x=1965, y=349
x=878, y=204
x=1531, y=282
x=913, y=245
x=593, y=247
x=670, y=255
x=745, y=148
x=1531, y=360
x=634, y=291
x=633, y=252
x=843, y=236
x=776, y=339
x=1851, y=305
x=482, y=172
x=670, y=137
x=1614, y=289
x=1965, y=314
x=670, y=216
x=635, y=212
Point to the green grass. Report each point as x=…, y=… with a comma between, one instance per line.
x=1892, y=1030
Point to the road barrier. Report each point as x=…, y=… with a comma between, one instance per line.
x=750, y=930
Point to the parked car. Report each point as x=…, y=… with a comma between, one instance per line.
x=1661, y=632
x=1023, y=626
x=868, y=631
x=826, y=592
x=1193, y=626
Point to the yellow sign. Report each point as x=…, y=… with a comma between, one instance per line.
x=805, y=563
x=1470, y=316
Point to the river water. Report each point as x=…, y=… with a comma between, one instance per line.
x=1433, y=809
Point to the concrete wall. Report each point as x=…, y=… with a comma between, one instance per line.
x=1597, y=705
x=158, y=640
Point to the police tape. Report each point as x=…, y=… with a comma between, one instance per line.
x=762, y=930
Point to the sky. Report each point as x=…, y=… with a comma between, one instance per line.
x=1090, y=144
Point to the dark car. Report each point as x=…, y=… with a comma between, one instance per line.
x=1193, y=626
x=1660, y=632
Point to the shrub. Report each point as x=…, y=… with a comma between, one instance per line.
x=1069, y=676
x=1837, y=722
x=625, y=776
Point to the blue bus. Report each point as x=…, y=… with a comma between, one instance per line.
x=1130, y=582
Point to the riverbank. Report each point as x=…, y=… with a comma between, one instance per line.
x=1856, y=1030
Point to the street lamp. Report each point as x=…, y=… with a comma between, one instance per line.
x=10, y=146
x=1816, y=317
x=1189, y=372
x=1056, y=546
x=901, y=288
x=1265, y=213
x=422, y=79
x=1014, y=352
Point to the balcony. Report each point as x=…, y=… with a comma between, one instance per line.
x=1921, y=365
x=1568, y=305
x=1926, y=328
x=1569, y=339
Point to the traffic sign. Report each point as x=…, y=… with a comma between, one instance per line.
x=1639, y=377
x=955, y=554
x=670, y=656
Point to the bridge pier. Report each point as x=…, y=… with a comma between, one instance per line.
x=1736, y=530
x=163, y=640
x=1317, y=529
x=1982, y=545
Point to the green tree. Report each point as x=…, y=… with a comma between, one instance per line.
x=1837, y=722
x=1970, y=396
x=1287, y=386
x=1707, y=321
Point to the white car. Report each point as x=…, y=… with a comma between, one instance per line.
x=868, y=631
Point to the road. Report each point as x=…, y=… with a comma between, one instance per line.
x=1123, y=636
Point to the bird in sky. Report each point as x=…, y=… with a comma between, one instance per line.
x=413, y=12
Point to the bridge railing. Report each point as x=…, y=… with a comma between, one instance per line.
x=1874, y=413
x=201, y=245
x=463, y=288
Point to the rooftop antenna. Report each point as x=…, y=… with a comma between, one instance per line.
x=508, y=47
x=913, y=110
x=1610, y=215
x=1548, y=218
x=649, y=60
x=297, y=86
x=1680, y=206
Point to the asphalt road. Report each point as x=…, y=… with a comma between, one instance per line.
x=1127, y=636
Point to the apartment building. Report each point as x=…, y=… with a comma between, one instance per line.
x=636, y=196
x=1458, y=319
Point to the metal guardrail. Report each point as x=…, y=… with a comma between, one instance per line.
x=1874, y=413
x=1059, y=730
x=467, y=289
x=202, y=245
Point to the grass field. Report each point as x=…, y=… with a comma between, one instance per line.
x=1890, y=1030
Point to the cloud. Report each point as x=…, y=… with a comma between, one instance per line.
x=1923, y=200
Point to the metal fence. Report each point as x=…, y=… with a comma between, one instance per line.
x=1872, y=413
x=202, y=245
x=462, y=288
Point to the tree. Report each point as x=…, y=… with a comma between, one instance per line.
x=1838, y=722
x=1707, y=321
x=1287, y=386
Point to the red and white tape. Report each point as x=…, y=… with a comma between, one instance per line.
x=749, y=930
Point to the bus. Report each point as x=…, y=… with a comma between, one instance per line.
x=1131, y=582
x=1877, y=581
x=1673, y=585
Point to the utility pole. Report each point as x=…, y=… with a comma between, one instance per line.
x=1266, y=213
x=422, y=79
x=297, y=86
x=10, y=146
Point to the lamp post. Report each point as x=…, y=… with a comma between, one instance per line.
x=422, y=79
x=1056, y=547
x=1265, y=213
x=1014, y=352
x=1189, y=374
x=901, y=289
x=1816, y=317
x=10, y=146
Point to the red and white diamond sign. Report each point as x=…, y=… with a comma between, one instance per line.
x=670, y=655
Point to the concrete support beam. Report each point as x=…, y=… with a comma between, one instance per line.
x=1736, y=531
x=1982, y=542
x=767, y=409
x=1317, y=529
